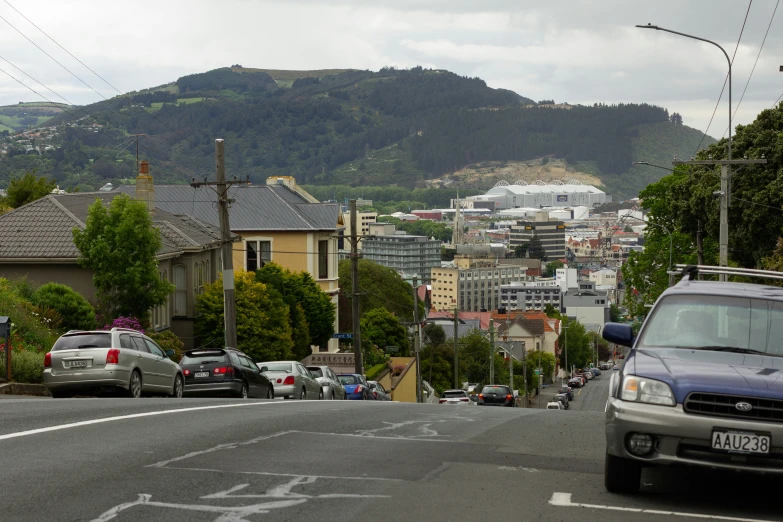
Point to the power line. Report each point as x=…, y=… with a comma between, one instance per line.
x=725, y=80
x=124, y=95
x=52, y=57
x=755, y=63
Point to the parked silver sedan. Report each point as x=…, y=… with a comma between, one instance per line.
x=292, y=380
x=106, y=360
x=329, y=382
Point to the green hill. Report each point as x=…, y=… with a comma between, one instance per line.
x=16, y=118
x=343, y=127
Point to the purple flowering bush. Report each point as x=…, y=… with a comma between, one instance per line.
x=125, y=322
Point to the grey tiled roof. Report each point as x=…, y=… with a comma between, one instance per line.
x=43, y=229
x=532, y=326
x=255, y=207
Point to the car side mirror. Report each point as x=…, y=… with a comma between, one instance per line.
x=618, y=333
x=170, y=353
x=264, y=369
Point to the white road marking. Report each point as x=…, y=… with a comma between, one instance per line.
x=228, y=445
x=280, y=496
x=138, y=416
x=564, y=500
x=389, y=437
x=511, y=468
x=269, y=474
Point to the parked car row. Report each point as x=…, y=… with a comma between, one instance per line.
x=120, y=359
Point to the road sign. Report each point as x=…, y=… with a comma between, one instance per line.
x=392, y=349
x=342, y=336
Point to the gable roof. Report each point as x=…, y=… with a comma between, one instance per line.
x=43, y=229
x=255, y=207
x=531, y=326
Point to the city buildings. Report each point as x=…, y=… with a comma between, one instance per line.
x=408, y=255
x=551, y=234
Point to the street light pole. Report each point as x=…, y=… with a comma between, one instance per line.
x=725, y=178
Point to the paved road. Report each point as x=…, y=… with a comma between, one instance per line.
x=231, y=460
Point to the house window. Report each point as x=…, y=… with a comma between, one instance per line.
x=323, y=259
x=180, y=290
x=257, y=254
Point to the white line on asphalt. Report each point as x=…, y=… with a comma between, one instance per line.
x=269, y=474
x=564, y=500
x=228, y=445
x=137, y=416
x=374, y=437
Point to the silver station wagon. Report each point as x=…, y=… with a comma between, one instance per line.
x=90, y=362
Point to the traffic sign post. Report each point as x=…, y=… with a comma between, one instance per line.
x=342, y=336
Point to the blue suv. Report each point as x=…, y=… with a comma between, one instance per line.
x=703, y=382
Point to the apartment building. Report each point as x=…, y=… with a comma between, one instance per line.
x=409, y=255
x=527, y=296
x=471, y=283
x=550, y=232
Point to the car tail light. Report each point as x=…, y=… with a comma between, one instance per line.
x=113, y=356
x=376, y=393
x=464, y=400
x=441, y=401
x=279, y=381
x=359, y=389
x=509, y=396
x=48, y=360
x=186, y=372
x=227, y=370
x=288, y=380
x=481, y=395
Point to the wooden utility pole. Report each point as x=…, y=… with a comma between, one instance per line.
x=226, y=246
x=417, y=337
x=724, y=193
x=358, y=365
x=227, y=249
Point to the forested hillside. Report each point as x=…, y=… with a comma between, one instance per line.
x=348, y=127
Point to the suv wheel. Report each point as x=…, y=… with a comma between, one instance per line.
x=303, y=395
x=622, y=475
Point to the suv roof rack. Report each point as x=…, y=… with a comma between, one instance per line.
x=693, y=271
x=117, y=329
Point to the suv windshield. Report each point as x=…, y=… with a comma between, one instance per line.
x=82, y=341
x=720, y=323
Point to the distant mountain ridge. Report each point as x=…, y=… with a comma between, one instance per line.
x=345, y=126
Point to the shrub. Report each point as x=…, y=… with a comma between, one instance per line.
x=167, y=340
x=30, y=329
x=76, y=312
x=130, y=323
x=26, y=366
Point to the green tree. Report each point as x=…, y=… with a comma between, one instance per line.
x=433, y=334
x=26, y=189
x=299, y=288
x=575, y=343
x=381, y=328
x=437, y=367
x=551, y=311
x=382, y=287
x=614, y=313
x=120, y=245
x=628, y=229
x=520, y=251
x=263, y=328
x=551, y=268
x=547, y=361
x=535, y=249
x=76, y=312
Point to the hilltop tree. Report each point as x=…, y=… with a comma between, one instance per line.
x=26, y=189
x=552, y=267
x=120, y=245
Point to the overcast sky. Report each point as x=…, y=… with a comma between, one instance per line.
x=569, y=51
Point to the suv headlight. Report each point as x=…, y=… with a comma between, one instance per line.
x=649, y=391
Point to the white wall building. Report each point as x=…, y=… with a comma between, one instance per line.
x=540, y=194
x=566, y=278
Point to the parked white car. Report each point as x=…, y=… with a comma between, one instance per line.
x=555, y=405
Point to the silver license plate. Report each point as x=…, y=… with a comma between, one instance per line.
x=77, y=364
x=741, y=442
x=201, y=374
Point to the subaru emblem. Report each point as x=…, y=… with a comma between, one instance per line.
x=743, y=406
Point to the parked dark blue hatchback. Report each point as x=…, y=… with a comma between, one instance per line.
x=703, y=382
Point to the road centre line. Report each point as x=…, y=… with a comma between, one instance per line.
x=138, y=416
x=564, y=500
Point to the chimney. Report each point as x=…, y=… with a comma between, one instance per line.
x=145, y=188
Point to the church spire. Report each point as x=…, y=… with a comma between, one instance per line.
x=458, y=229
